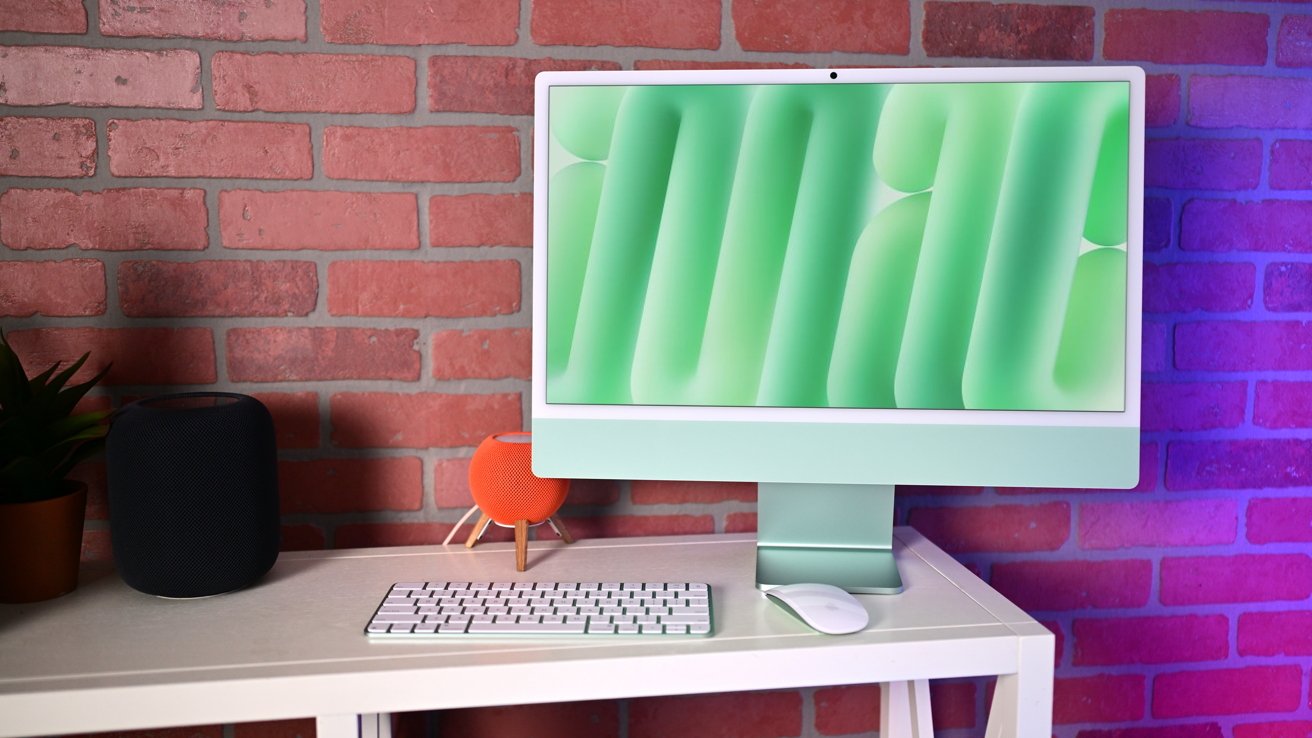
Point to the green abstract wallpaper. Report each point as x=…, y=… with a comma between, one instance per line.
x=938, y=246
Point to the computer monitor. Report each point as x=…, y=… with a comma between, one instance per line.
x=832, y=282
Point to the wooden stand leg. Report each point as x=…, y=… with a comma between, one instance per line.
x=521, y=545
x=483, y=520
x=561, y=530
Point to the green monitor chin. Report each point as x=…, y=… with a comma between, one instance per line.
x=834, y=283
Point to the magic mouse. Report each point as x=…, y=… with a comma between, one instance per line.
x=824, y=607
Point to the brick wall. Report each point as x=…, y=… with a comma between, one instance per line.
x=327, y=205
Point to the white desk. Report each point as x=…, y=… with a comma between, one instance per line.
x=109, y=658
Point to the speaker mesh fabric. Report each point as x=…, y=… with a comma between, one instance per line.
x=193, y=493
x=502, y=482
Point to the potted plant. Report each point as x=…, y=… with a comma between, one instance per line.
x=41, y=510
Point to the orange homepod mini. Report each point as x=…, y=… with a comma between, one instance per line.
x=502, y=482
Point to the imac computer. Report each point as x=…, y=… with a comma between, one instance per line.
x=832, y=282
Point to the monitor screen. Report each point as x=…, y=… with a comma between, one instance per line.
x=876, y=276
x=922, y=245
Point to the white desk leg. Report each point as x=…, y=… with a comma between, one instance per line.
x=904, y=710
x=370, y=725
x=1022, y=702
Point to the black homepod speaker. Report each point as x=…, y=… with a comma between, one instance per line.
x=193, y=493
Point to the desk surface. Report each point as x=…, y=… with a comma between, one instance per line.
x=107, y=657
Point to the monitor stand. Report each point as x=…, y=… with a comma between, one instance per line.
x=839, y=534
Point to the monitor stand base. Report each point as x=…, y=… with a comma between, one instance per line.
x=839, y=534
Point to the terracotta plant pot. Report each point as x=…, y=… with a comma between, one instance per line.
x=41, y=545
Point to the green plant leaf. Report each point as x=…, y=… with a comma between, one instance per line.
x=14, y=389
x=69, y=398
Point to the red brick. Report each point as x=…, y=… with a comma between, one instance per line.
x=995, y=528
x=489, y=353
x=625, y=526
x=351, y=485
x=52, y=288
x=420, y=22
x=1203, y=163
x=1227, y=225
x=425, y=154
x=1162, y=95
x=1214, y=287
x=1008, y=30
x=209, y=148
x=1239, y=464
x=66, y=75
x=855, y=709
x=953, y=704
x=1074, y=585
x=167, y=289
x=593, y=492
x=1104, y=698
x=1287, y=287
x=1243, y=345
x=298, y=728
x=1250, y=102
x=329, y=221
x=493, y=84
x=1283, y=404
x=1185, y=37
x=1280, y=519
x=230, y=20
x=96, y=547
x=740, y=523
x=302, y=538
x=690, y=493
x=1190, y=406
x=47, y=147
x=451, y=483
x=1155, y=340
x=295, y=417
x=480, y=220
x=94, y=476
x=44, y=16
x=1158, y=222
x=1112, y=525
x=862, y=26
x=423, y=289
x=1291, y=165
x=1188, y=730
x=310, y=354
x=1197, y=580
x=674, y=64
x=314, y=83
x=369, y=535
x=740, y=714
x=1151, y=640
x=595, y=719
x=427, y=420
x=142, y=356
x=1289, y=729
x=1275, y=633
x=1294, y=41
x=110, y=220
x=669, y=24
x=1227, y=691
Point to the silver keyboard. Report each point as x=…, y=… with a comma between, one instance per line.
x=436, y=609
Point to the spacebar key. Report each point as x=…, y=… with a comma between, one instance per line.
x=528, y=628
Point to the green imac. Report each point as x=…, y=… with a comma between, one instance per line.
x=834, y=282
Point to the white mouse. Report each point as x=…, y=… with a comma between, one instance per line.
x=824, y=607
